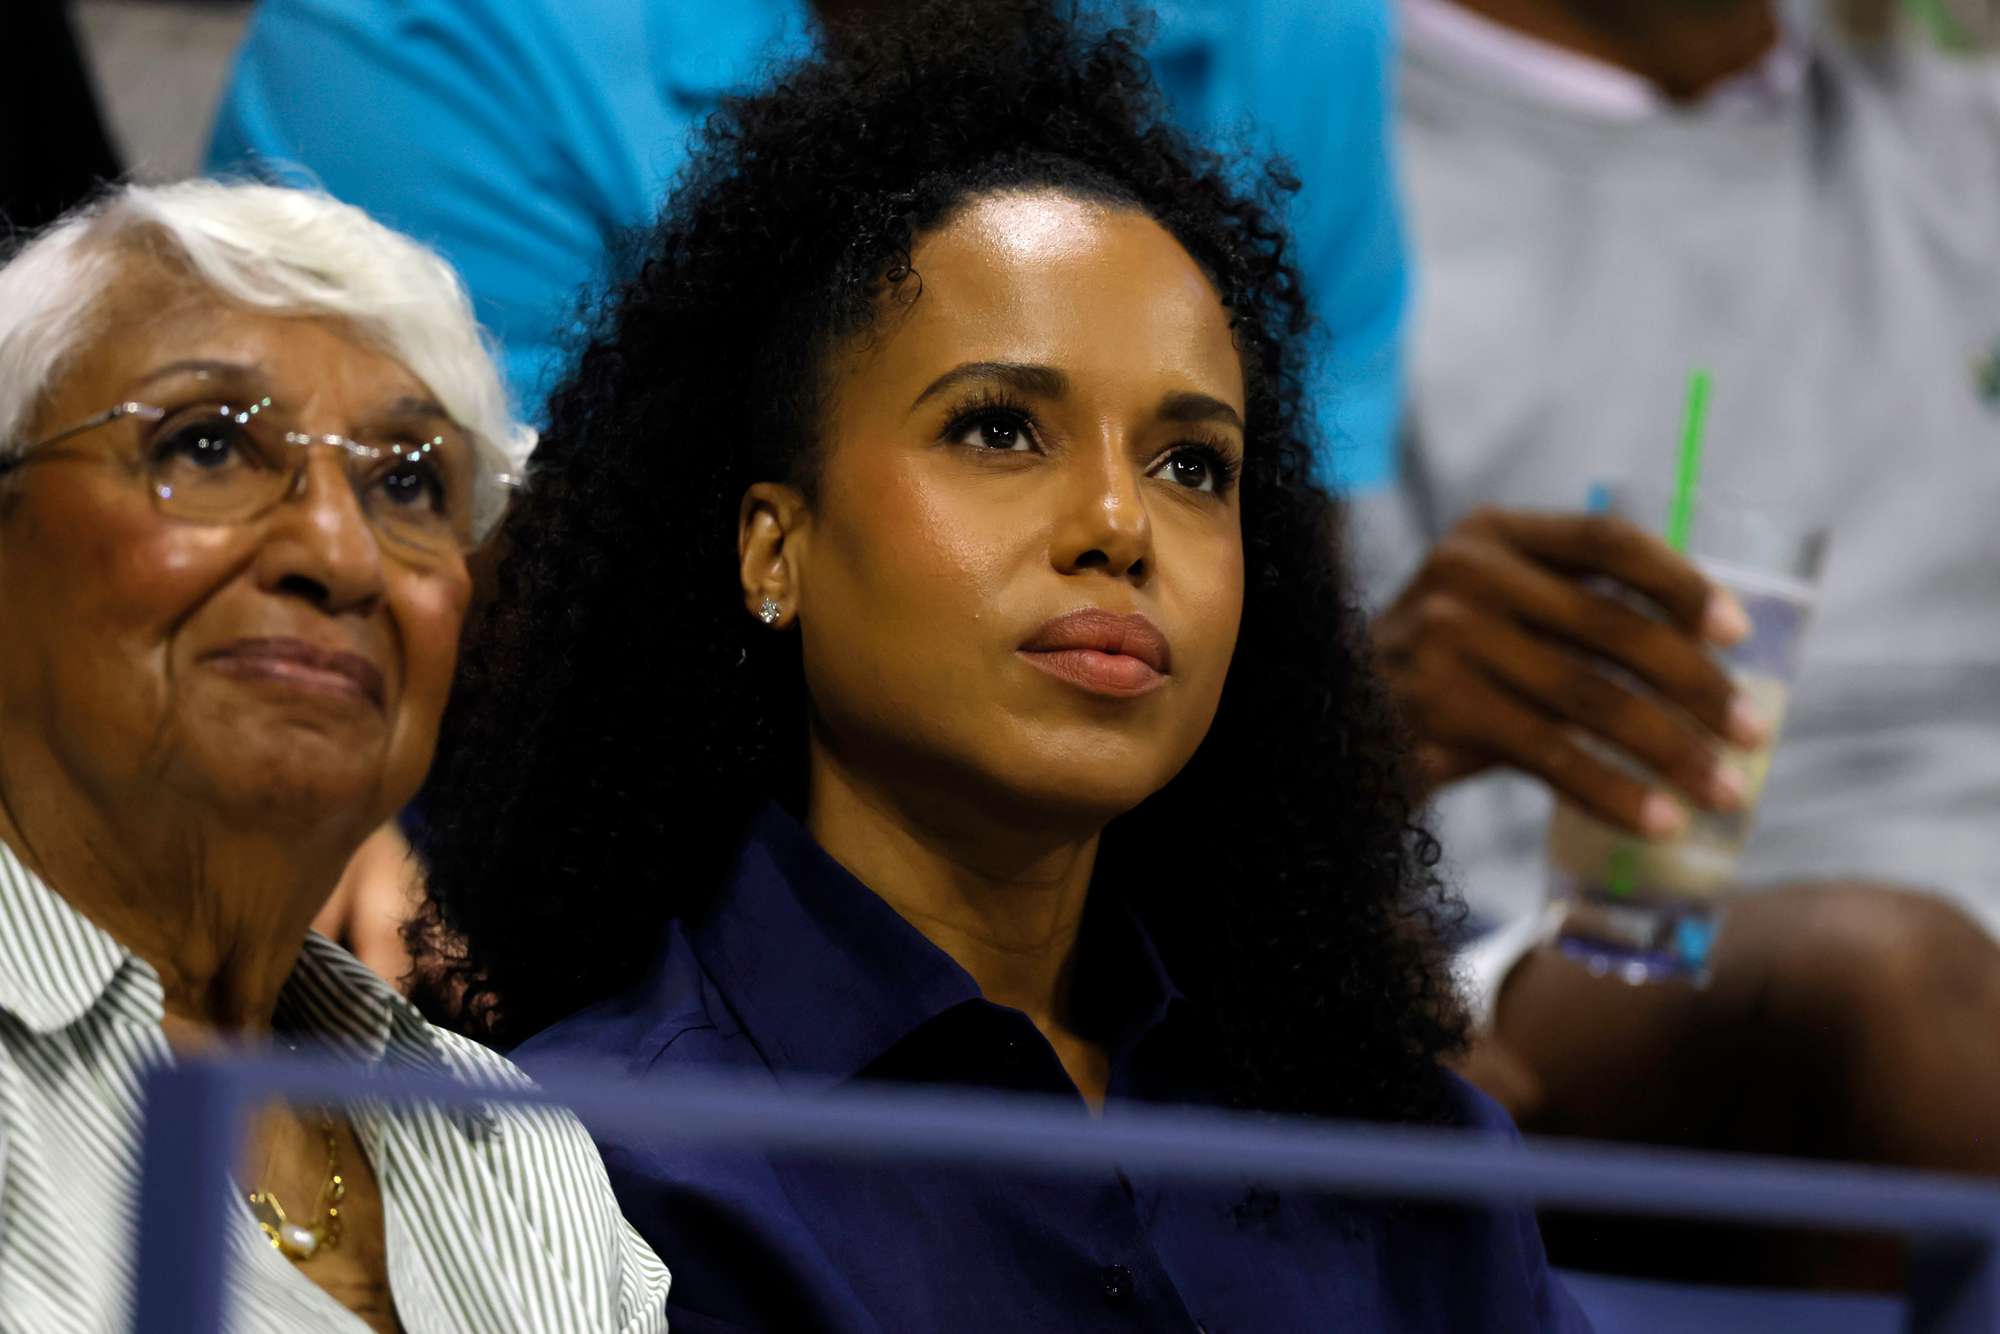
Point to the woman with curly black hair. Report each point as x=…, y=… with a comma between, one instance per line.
x=924, y=656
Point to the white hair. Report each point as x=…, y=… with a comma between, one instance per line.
x=298, y=252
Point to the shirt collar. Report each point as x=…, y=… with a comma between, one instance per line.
x=1570, y=81
x=825, y=977
x=335, y=1001
x=56, y=966
x=1123, y=992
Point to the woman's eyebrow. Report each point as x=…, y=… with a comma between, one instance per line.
x=229, y=370
x=1188, y=408
x=1040, y=381
x=410, y=408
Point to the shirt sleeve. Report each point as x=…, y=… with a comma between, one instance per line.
x=1322, y=80
x=467, y=124
x=1314, y=83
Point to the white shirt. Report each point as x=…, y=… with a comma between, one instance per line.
x=497, y=1221
x=1578, y=83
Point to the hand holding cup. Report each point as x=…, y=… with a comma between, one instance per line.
x=1538, y=641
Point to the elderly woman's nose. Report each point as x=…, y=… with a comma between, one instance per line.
x=1106, y=525
x=320, y=543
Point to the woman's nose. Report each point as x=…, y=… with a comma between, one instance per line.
x=1105, y=525
x=320, y=544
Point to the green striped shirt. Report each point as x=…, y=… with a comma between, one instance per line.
x=500, y=1220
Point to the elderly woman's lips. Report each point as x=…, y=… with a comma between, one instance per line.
x=295, y=662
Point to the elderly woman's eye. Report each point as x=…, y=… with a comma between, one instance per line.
x=204, y=446
x=992, y=429
x=413, y=486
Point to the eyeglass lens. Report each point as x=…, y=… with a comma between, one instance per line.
x=224, y=465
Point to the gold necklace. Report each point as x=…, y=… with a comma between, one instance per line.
x=299, y=1242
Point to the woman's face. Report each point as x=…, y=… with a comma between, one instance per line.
x=282, y=673
x=1023, y=573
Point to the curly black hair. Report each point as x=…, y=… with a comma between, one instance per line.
x=620, y=717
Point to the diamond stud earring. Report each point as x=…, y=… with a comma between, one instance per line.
x=770, y=611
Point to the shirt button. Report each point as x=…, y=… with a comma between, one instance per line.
x=1117, y=1283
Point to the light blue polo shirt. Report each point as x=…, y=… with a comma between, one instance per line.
x=526, y=139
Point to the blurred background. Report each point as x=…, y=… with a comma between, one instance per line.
x=158, y=64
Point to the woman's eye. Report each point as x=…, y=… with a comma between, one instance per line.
x=1194, y=469
x=1001, y=432
x=412, y=486
x=207, y=446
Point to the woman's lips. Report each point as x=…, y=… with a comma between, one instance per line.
x=296, y=663
x=1103, y=652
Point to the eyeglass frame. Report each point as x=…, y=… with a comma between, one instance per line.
x=148, y=412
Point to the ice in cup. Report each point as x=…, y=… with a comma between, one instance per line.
x=1648, y=909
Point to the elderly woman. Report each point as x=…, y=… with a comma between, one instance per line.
x=249, y=436
x=924, y=657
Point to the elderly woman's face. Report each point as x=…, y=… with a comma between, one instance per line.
x=283, y=671
x=1024, y=572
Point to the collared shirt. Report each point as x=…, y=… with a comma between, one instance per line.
x=526, y=138
x=1570, y=81
x=799, y=974
x=498, y=1221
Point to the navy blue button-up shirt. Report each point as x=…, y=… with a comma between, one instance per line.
x=800, y=973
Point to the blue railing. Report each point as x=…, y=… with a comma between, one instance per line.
x=197, y=1112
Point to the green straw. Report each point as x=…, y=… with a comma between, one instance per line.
x=1622, y=873
x=1680, y=518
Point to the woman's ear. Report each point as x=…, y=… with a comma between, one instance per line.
x=771, y=530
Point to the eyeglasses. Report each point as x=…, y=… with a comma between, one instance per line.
x=217, y=464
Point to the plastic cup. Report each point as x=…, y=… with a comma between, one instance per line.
x=1648, y=910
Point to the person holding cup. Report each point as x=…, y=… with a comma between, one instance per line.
x=1759, y=203
x=1521, y=644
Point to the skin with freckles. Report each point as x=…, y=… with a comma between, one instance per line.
x=191, y=793
x=1051, y=425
